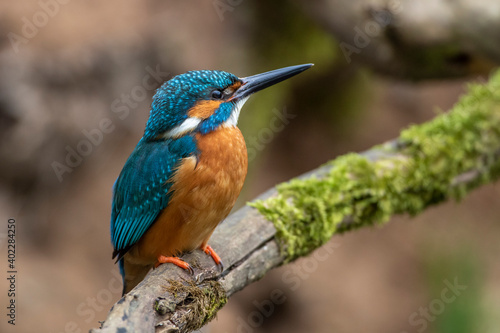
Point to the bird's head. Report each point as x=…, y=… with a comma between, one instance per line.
x=201, y=101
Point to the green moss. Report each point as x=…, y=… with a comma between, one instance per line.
x=419, y=170
x=201, y=302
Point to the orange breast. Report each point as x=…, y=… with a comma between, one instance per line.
x=203, y=195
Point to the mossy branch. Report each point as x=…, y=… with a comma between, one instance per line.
x=429, y=163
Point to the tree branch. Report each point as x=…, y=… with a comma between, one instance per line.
x=413, y=39
x=427, y=164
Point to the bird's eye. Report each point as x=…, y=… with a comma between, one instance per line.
x=217, y=94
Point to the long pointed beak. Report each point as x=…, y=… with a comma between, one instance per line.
x=254, y=83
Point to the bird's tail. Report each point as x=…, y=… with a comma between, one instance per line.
x=132, y=274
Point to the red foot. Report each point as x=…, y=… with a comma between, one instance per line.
x=208, y=250
x=174, y=260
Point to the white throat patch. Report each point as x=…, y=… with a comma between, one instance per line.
x=232, y=121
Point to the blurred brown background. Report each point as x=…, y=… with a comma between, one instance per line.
x=68, y=67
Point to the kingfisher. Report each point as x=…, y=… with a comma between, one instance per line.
x=186, y=172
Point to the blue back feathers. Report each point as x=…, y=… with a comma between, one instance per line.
x=141, y=191
x=175, y=97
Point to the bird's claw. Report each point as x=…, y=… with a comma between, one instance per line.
x=176, y=261
x=210, y=251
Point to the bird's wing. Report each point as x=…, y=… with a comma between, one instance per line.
x=141, y=191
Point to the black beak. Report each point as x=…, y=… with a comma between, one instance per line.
x=254, y=83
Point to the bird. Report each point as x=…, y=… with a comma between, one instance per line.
x=186, y=172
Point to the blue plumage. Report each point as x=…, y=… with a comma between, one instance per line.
x=219, y=117
x=141, y=191
x=175, y=97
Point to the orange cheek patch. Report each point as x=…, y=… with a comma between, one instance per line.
x=236, y=85
x=204, y=109
x=232, y=88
